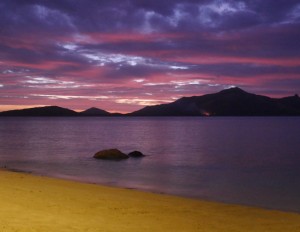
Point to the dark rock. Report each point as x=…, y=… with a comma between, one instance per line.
x=136, y=154
x=110, y=154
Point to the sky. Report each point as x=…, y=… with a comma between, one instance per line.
x=121, y=55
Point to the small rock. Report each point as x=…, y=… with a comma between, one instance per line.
x=111, y=154
x=136, y=154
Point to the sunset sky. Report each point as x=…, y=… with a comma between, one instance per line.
x=120, y=55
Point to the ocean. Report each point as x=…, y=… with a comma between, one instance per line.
x=242, y=160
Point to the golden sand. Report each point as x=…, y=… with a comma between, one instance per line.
x=35, y=203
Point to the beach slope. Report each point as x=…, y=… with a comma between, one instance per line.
x=35, y=203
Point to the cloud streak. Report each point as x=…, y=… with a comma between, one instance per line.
x=120, y=55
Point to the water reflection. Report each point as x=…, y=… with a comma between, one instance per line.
x=243, y=160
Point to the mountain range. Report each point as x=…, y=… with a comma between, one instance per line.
x=229, y=102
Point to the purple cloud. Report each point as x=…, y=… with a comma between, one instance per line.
x=123, y=54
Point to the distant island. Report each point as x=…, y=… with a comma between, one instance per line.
x=229, y=102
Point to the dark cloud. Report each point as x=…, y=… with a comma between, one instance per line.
x=109, y=44
x=273, y=11
x=22, y=17
x=277, y=41
x=128, y=71
x=65, y=16
x=245, y=70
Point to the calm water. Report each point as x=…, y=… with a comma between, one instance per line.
x=252, y=161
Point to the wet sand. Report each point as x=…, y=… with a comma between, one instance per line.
x=36, y=203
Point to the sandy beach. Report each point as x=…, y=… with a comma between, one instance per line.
x=35, y=203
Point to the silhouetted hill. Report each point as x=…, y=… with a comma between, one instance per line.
x=40, y=111
x=229, y=102
x=94, y=112
x=290, y=102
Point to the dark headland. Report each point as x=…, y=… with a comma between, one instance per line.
x=229, y=102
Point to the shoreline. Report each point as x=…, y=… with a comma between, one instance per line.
x=110, y=185
x=39, y=203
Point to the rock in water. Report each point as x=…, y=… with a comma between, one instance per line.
x=136, y=154
x=111, y=154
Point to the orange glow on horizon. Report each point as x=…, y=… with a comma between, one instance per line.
x=17, y=107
